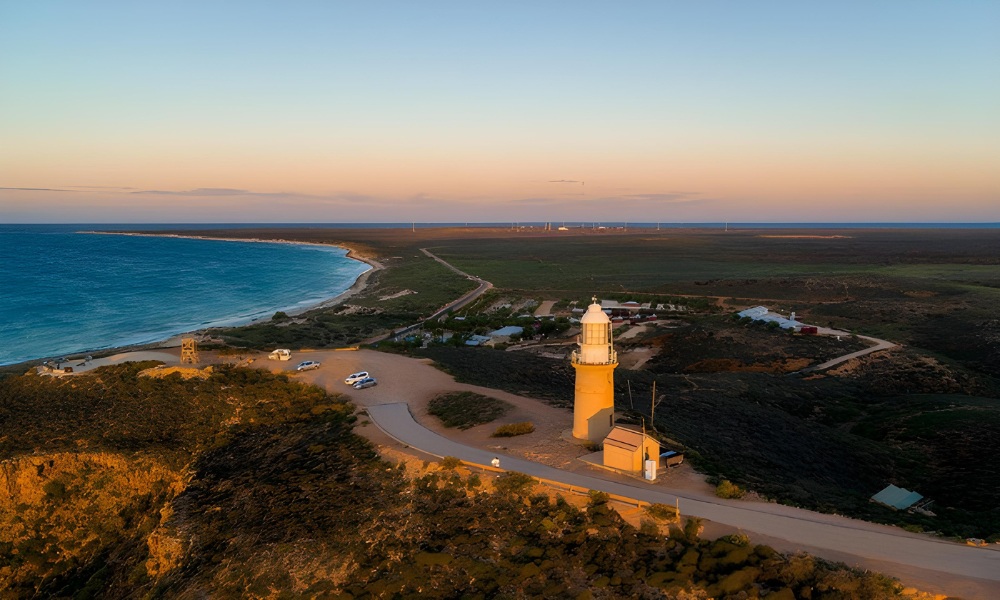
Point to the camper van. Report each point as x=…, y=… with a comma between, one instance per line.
x=280, y=354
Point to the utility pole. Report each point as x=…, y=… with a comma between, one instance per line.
x=629, y=384
x=652, y=405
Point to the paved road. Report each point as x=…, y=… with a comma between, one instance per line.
x=831, y=532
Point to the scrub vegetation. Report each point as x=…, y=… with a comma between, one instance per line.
x=266, y=492
x=514, y=429
x=467, y=409
x=924, y=416
x=826, y=441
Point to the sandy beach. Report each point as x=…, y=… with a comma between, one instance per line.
x=356, y=288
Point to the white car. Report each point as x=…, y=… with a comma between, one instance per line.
x=280, y=354
x=356, y=377
x=307, y=365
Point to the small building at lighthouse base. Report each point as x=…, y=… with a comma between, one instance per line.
x=628, y=449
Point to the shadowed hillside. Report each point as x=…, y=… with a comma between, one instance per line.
x=247, y=484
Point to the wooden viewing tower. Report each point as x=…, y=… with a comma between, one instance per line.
x=189, y=351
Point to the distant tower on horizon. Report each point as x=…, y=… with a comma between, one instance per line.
x=594, y=363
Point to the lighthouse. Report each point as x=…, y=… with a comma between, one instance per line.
x=594, y=362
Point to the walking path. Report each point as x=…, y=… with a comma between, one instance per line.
x=879, y=345
x=467, y=298
x=482, y=287
x=830, y=532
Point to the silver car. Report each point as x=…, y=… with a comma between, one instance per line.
x=367, y=382
x=307, y=365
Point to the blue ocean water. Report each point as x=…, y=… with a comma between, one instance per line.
x=63, y=292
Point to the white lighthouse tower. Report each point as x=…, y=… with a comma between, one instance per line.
x=594, y=362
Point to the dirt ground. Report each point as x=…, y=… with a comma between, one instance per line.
x=416, y=382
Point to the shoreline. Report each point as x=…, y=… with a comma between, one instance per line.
x=359, y=284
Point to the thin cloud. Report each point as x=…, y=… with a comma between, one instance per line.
x=338, y=198
x=671, y=198
x=668, y=198
x=72, y=188
x=200, y=192
x=100, y=187
x=565, y=181
x=22, y=189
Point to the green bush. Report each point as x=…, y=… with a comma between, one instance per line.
x=737, y=539
x=689, y=534
x=728, y=489
x=467, y=409
x=514, y=483
x=55, y=490
x=692, y=529
x=662, y=512
x=450, y=463
x=512, y=429
x=597, y=498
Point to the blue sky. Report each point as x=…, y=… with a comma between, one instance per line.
x=684, y=111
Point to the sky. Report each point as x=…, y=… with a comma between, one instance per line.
x=708, y=111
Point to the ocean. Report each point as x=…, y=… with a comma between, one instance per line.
x=64, y=292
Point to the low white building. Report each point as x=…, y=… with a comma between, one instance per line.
x=761, y=313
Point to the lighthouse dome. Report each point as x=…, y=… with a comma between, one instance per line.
x=594, y=314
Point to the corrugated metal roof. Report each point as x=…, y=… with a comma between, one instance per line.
x=508, y=330
x=627, y=439
x=753, y=313
x=760, y=313
x=897, y=497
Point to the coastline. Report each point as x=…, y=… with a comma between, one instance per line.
x=359, y=285
x=356, y=288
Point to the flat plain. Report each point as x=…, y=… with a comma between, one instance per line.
x=924, y=416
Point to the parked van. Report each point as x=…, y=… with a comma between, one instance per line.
x=280, y=354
